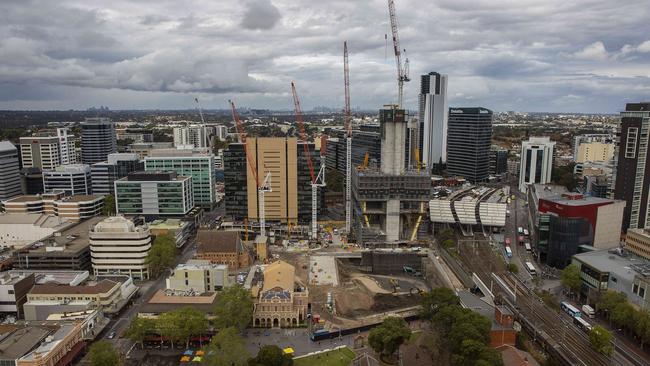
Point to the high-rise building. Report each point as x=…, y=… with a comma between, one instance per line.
x=195, y=163
x=498, y=160
x=118, y=246
x=469, y=136
x=363, y=141
x=154, y=193
x=221, y=132
x=632, y=156
x=285, y=159
x=9, y=173
x=66, y=146
x=637, y=241
x=193, y=135
x=97, y=140
x=433, y=119
x=117, y=166
x=536, y=161
x=40, y=152
x=73, y=179
x=31, y=181
x=593, y=148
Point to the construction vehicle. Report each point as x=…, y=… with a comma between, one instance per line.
x=395, y=285
x=364, y=165
x=402, y=69
x=265, y=186
x=317, y=180
x=348, y=142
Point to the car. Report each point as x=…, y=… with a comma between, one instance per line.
x=111, y=335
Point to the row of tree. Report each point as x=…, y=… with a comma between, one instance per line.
x=622, y=314
x=465, y=334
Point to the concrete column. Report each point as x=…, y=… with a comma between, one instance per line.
x=392, y=220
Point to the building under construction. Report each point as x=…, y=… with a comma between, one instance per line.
x=390, y=201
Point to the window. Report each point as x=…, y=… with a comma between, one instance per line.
x=187, y=282
x=10, y=292
x=642, y=293
x=630, y=144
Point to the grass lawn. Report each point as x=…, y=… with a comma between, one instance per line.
x=414, y=336
x=339, y=357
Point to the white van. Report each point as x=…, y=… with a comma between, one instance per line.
x=588, y=311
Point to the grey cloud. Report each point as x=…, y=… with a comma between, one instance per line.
x=260, y=15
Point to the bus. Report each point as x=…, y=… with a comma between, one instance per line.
x=582, y=324
x=526, y=233
x=520, y=230
x=527, y=246
x=570, y=309
x=508, y=252
x=507, y=242
x=530, y=268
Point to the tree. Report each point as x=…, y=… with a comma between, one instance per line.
x=608, y=301
x=436, y=299
x=642, y=326
x=475, y=353
x=623, y=315
x=161, y=255
x=167, y=326
x=571, y=278
x=512, y=268
x=218, y=144
x=387, y=337
x=600, y=339
x=234, y=308
x=191, y=322
x=227, y=348
x=103, y=353
x=270, y=356
x=139, y=328
x=335, y=180
x=109, y=205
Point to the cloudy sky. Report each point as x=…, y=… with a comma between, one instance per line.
x=551, y=55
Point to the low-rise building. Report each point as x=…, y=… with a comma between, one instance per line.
x=169, y=300
x=73, y=208
x=17, y=342
x=118, y=246
x=21, y=230
x=502, y=332
x=154, y=193
x=282, y=302
x=223, y=247
x=13, y=292
x=199, y=276
x=178, y=229
x=66, y=250
x=615, y=270
x=637, y=241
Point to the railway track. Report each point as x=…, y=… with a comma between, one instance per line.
x=569, y=341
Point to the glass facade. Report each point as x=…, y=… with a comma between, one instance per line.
x=200, y=168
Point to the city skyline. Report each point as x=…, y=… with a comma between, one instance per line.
x=554, y=57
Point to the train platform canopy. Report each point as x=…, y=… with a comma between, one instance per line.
x=467, y=212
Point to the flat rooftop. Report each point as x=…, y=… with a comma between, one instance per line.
x=69, y=241
x=169, y=224
x=575, y=199
x=16, y=344
x=55, y=276
x=625, y=266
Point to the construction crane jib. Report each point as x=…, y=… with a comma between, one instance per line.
x=402, y=69
x=317, y=180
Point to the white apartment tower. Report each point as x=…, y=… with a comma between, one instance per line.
x=66, y=146
x=536, y=162
x=195, y=135
x=118, y=246
x=433, y=119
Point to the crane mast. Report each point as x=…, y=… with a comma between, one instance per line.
x=348, y=141
x=317, y=180
x=402, y=69
x=266, y=184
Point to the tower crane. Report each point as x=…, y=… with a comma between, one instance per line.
x=265, y=186
x=348, y=141
x=317, y=180
x=402, y=69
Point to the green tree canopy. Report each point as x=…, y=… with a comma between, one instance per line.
x=102, y=353
x=609, y=300
x=167, y=326
x=387, y=337
x=227, y=348
x=623, y=315
x=600, y=339
x=161, y=255
x=234, y=308
x=571, y=278
x=109, y=205
x=436, y=299
x=512, y=268
x=139, y=328
x=270, y=356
